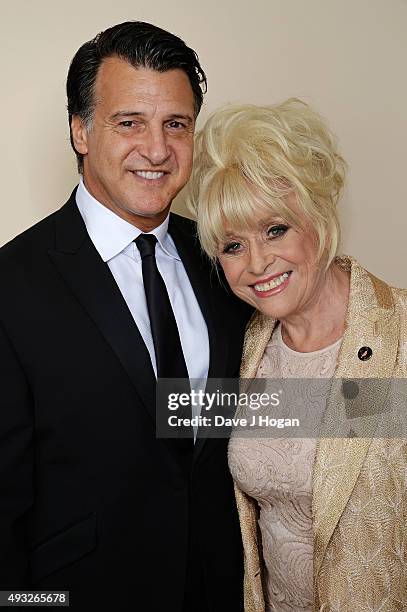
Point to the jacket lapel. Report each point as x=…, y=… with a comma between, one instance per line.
x=91, y=281
x=257, y=337
x=371, y=322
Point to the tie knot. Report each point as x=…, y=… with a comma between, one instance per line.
x=146, y=244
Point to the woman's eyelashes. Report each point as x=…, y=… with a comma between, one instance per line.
x=231, y=247
x=275, y=231
x=271, y=233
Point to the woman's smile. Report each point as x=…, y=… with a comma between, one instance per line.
x=271, y=285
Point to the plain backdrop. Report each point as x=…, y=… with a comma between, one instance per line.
x=346, y=57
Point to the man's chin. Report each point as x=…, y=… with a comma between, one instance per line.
x=145, y=217
x=149, y=212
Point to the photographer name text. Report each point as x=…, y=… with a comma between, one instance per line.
x=220, y=421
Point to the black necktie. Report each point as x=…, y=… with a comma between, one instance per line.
x=167, y=345
x=168, y=350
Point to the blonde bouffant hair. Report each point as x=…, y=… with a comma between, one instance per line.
x=249, y=158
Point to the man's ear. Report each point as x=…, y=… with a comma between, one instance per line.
x=79, y=135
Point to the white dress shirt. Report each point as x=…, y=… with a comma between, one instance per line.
x=113, y=238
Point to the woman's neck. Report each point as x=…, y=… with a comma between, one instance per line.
x=322, y=321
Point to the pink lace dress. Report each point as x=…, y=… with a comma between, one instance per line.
x=277, y=472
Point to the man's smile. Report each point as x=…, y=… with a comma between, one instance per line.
x=150, y=176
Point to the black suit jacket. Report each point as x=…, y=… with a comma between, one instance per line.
x=90, y=500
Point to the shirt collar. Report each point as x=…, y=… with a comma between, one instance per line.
x=110, y=233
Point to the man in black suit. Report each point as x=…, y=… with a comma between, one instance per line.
x=91, y=501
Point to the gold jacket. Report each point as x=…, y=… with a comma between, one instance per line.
x=359, y=484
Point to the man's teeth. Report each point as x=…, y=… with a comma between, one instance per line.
x=149, y=175
x=273, y=283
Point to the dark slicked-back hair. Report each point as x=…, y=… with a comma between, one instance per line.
x=142, y=45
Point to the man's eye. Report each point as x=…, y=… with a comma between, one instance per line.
x=129, y=123
x=176, y=125
x=231, y=247
x=277, y=230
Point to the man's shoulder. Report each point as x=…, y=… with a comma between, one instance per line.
x=183, y=223
x=34, y=234
x=36, y=239
x=184, y=233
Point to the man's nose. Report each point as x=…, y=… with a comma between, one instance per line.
x=154, y=146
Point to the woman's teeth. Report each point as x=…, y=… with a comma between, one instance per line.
x=275, y=282
x=149, y=175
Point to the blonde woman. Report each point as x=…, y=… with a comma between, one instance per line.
x=323, y=523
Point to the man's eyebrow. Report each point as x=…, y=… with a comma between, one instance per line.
x=187, y=118
x=126, y=113
x=174, y=116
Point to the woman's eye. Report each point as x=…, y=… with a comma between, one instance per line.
x=231, y=247
x=277, y=230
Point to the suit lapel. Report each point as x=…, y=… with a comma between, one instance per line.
x=371, y=322
x=91, y=281
x=257, y=337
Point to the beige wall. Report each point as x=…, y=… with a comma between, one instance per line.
x=347, y=57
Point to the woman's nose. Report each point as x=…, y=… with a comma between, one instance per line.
x=260, y=259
